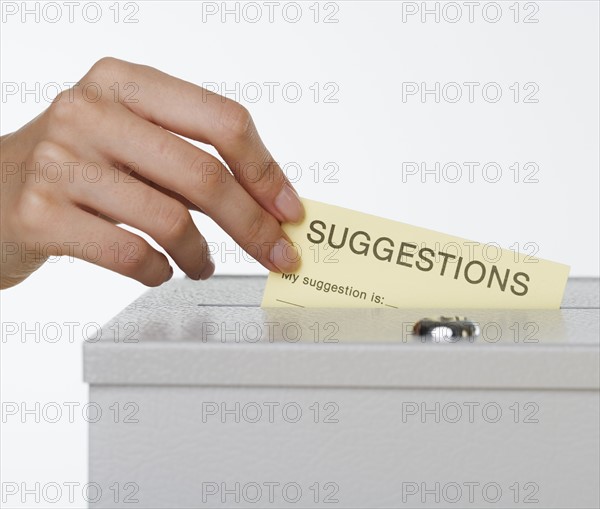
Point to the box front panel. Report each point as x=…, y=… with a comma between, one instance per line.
x=188, y=447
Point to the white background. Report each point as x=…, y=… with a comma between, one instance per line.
x=369, y=133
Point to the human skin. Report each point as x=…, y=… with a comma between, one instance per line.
x=85, y=164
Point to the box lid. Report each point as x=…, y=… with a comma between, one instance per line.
x=213, y=333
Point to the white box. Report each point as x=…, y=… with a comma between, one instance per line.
x=207, y=400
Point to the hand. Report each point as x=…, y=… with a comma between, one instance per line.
x=105, y=152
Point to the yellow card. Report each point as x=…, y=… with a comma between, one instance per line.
x=351, y=259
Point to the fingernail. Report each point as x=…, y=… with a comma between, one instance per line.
x=289, y=205
x=208, y=270
x=285, y=256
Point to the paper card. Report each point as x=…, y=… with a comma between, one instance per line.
x=351, y=259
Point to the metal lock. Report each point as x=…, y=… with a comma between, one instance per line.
x=446, y=327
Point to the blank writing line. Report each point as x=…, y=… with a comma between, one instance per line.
x=286, y=302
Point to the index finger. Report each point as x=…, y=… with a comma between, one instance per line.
x=198, y=114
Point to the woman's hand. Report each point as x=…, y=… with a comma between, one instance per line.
x=104, y=152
